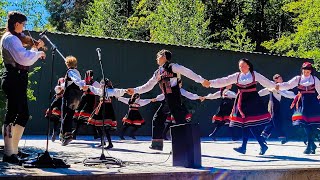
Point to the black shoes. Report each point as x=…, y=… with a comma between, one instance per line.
x=109, y=146
x=13, y=159
x=263, y=149
x=240, y=150
x=159, y=148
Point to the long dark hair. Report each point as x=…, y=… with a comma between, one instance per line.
x=247, y=62
x=13, y=18
x=108, y=82
x=134, y=97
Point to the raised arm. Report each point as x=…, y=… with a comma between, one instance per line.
x=264, y=92
x=144, y=102
x=20, y=54
x=188, y=94
x=160, y=97
x=124, y=100
x=176, y=68
x=290, y=84
x=115, y=92
x=287, y=94
x=76, y=78
x=148, y=86
x=230, y=94
x=265, y=82
x=215, y=95
x=225, y=81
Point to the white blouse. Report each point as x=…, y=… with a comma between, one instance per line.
x=305, y=81
x=109, y=92
x=226, y=94
x=141, y=102
x=243, y=80
x=277, y=94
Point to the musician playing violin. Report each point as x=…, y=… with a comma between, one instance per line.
x=14, y=81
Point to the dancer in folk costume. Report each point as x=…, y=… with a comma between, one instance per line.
x=166, y=76
x=222, y=116
x=133, y=118
x=306, y=103
x=105, y=110
x=249, y=111
x=71, y=98
x=170, y=118
x=88, y=103
x=56, y=109
x=274, y=107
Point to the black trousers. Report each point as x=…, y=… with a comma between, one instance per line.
x=66, y=124
x=14, y=84
x=172, y=104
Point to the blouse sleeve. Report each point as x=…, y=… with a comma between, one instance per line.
x=225, y=81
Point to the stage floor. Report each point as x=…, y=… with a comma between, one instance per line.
x=219, y=161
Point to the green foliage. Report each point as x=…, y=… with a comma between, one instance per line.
x=66, y=15
x=139, y=23
x=304, y=42
x=236, y=38
x=105, y=18
x=182, y=22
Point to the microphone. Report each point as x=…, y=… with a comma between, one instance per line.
x=43, y=33
x=99, y=52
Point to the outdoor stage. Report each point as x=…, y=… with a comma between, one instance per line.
x=219, y=161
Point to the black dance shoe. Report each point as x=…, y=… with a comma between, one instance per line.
x=263, y=149
x=122, y=138
x=159, y=148
x=22, y=155
x=13, y=159
x=240, y=150
x=109, y=146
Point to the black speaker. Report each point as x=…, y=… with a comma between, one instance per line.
x=186, y=145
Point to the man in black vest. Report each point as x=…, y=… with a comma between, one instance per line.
x=167, y=78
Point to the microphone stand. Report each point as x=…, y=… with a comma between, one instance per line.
x=102, y=159
x=44, y=160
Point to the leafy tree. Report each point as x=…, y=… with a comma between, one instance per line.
x=66, y=15
x=236, y=38
x=139, y=22
x=105, y=18
x=182, y=22
x=304, y=42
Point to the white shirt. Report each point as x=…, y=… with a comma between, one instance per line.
x=243, y=80
x=225, y=94
x=141, y=102
x=19, y=53
x=277, y=94
x=176, y=68
x=109, y=92
x=183, y=92
x=305, y=81
x=75, y=77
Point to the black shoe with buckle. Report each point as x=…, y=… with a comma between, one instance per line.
x=13, y=159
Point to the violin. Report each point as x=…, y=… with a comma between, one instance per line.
x=28, y=41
